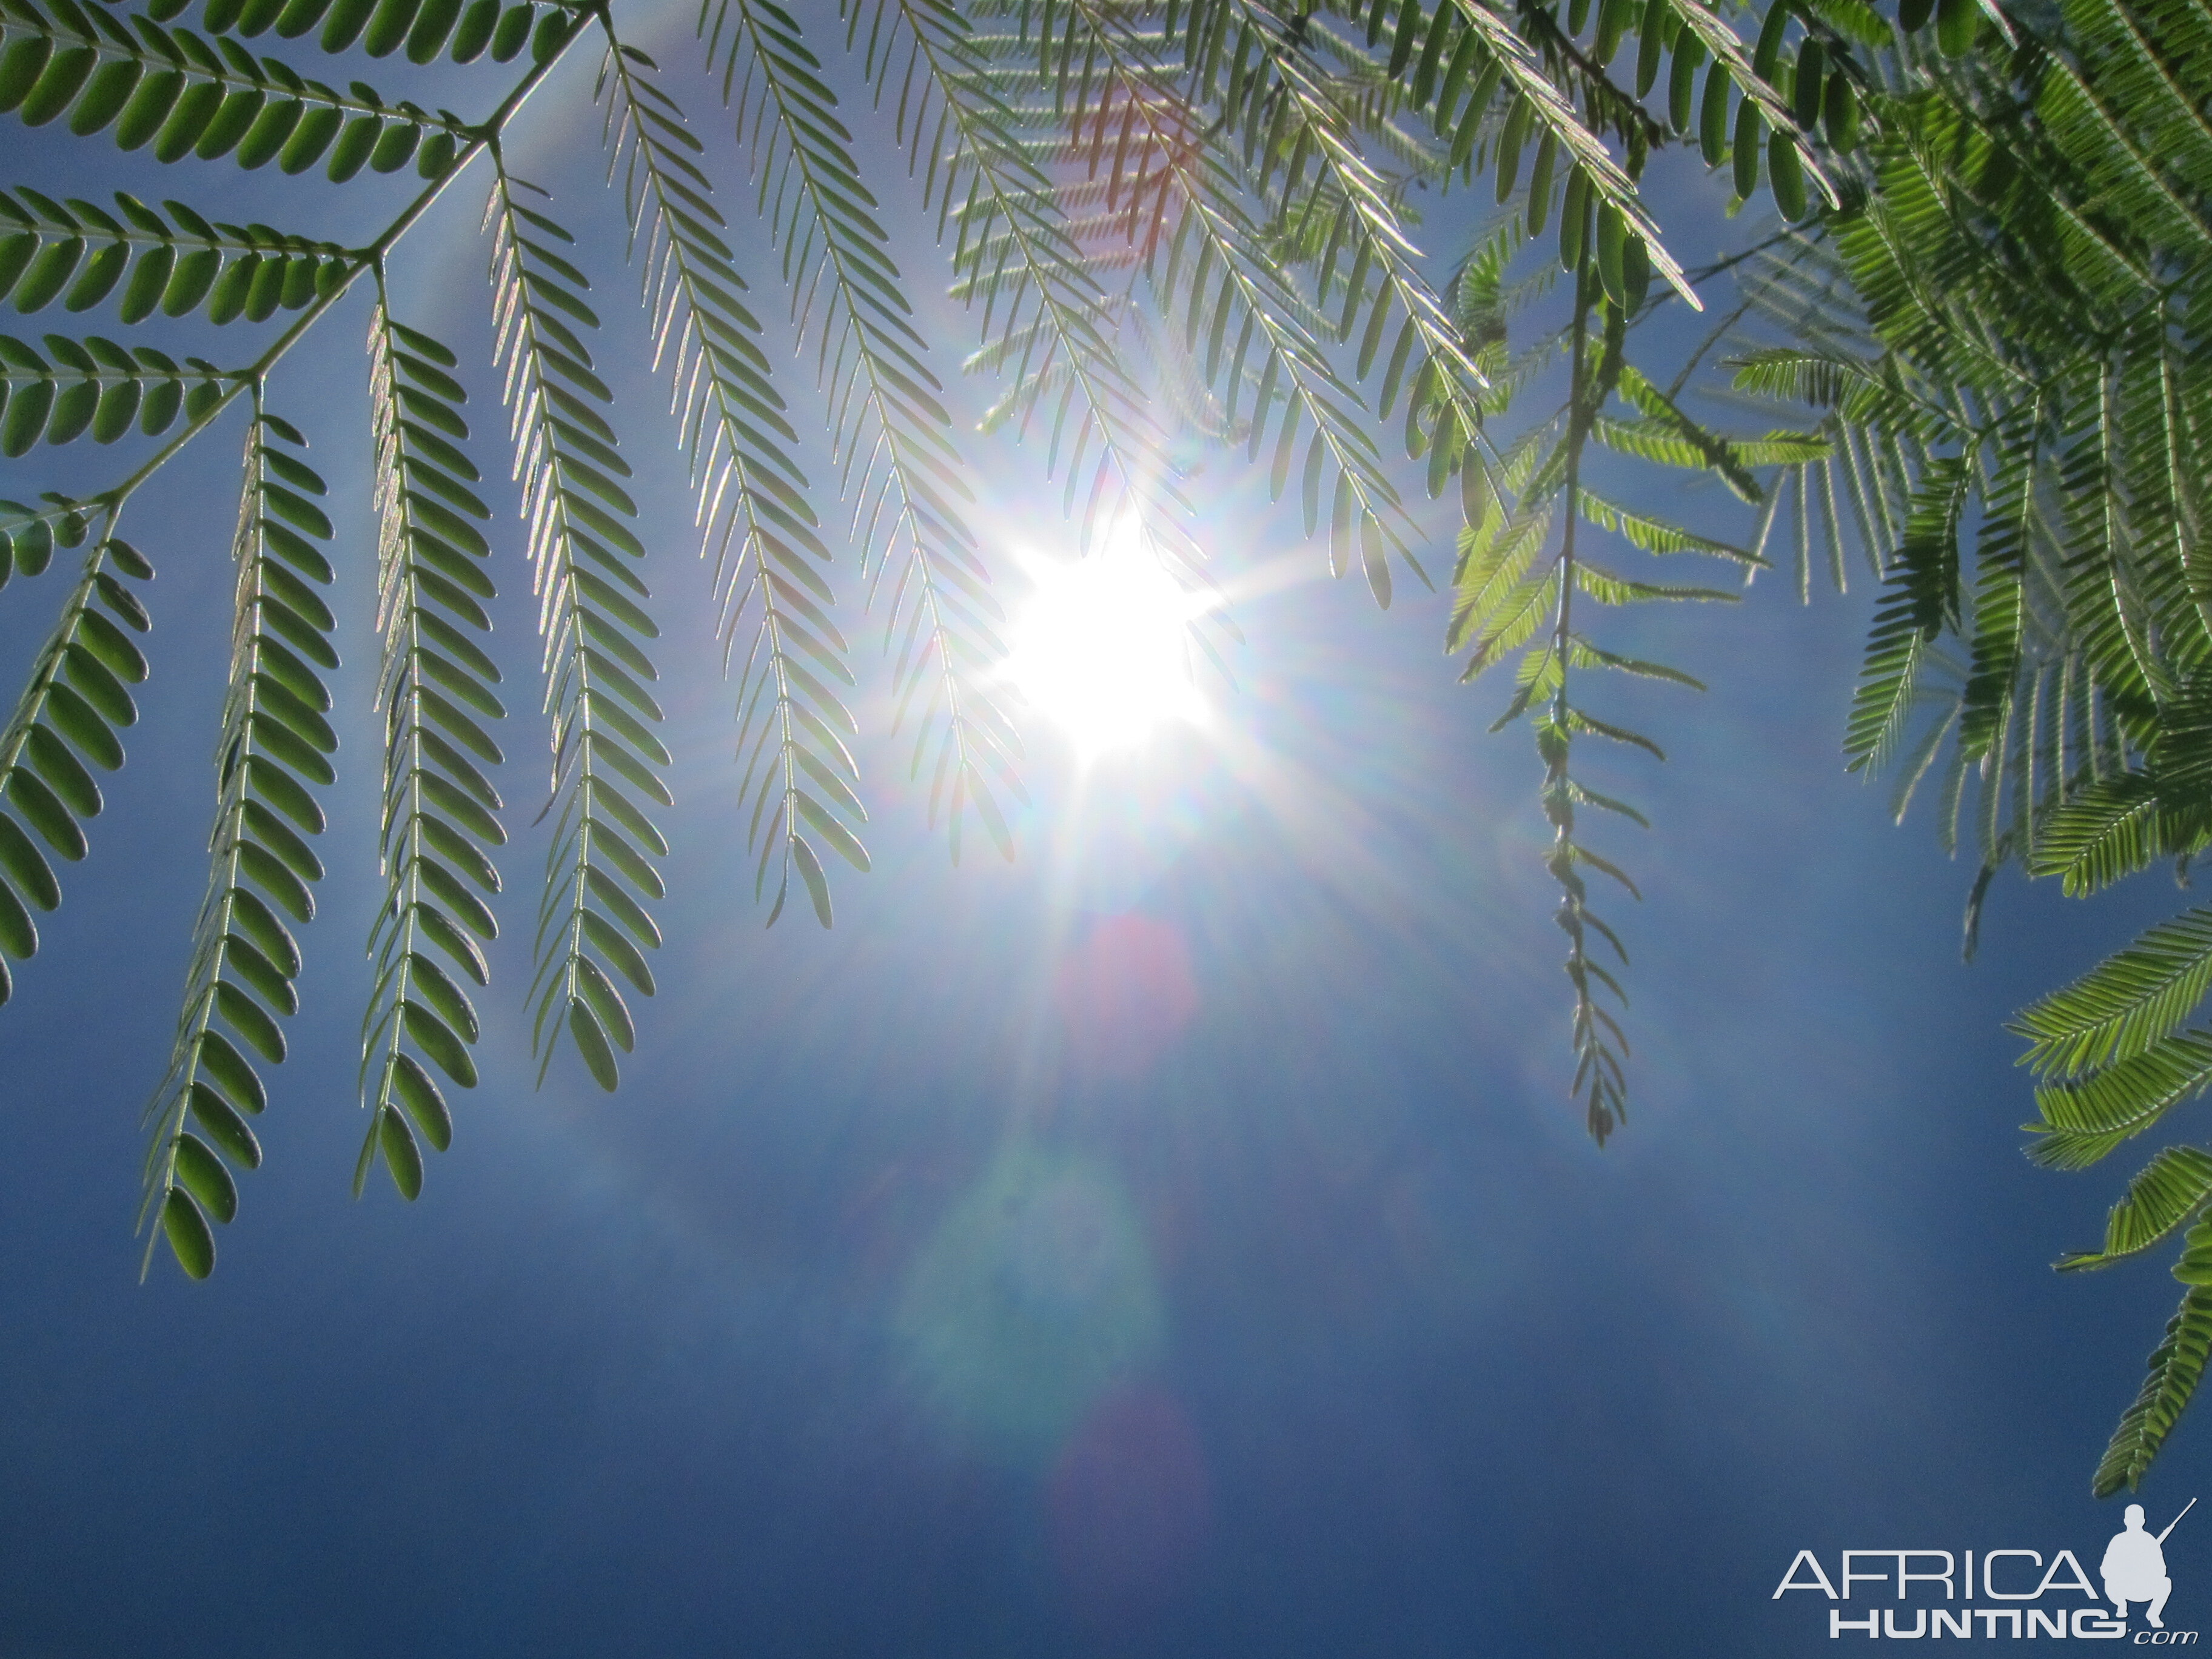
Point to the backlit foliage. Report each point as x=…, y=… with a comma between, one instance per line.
x=2006, y=340
x=1974, y=351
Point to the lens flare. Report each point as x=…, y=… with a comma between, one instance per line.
x=1034, y=1298
x=1129, y=1505
x=1100, y=650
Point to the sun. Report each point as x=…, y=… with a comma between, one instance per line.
x=1101, y=649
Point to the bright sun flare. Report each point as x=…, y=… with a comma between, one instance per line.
x=1100, y=648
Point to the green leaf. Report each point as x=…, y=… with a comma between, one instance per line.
x=45, y=813
x=105, y=96
x=187, y=1231
x=591, y=1044
x=419, y=1093
x=202, y=1174
x=21, y=65
x=229, y=1130
x=63, y=771
x=230, y=1070
x=810, y=870
x=110, y=646
x=19, y=934
x=248, y=1018
x=437, y=1040
x=64, y=76
x=401, y=1154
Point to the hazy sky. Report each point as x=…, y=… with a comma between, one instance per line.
x=1176, y=1242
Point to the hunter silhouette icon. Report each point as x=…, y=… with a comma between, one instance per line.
x=2135, y=1566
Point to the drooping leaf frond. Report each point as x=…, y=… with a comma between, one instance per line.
x=68, y=715
x=1209, y=255
x=2113, y=828
x=435, y=693
x=591, y=616
x=1921, y=599
x=890, y=434
x=276, y=743
x=2177, y=1366
x=1048, y=320
x=1291, y=117
x=762, y=533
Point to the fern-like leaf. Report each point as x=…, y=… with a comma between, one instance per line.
x=67, y=717
x=97, y=387
x=761, y=532
x=434, y=694
x=277, y=742
x=2165, y=1193
x=889, y=430
x=591, y=616
x=2126, y=1003
x=185, y=95
x=174, y=262
x=2177, y=1366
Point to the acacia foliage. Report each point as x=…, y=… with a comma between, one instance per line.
x=1162, y=216
x=1189, y=216
x=2007, y=334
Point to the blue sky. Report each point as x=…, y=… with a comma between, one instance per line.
x=1176, y=1242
